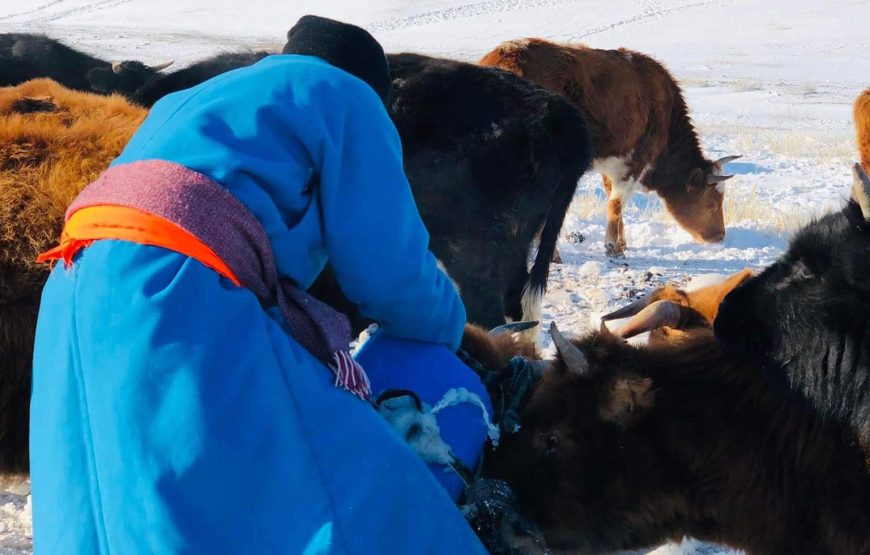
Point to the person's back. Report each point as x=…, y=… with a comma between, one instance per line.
x=178, y=379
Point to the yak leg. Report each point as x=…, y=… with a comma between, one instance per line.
x=614, y=238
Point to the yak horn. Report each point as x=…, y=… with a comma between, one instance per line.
x=162, y=65
x=861, y=190
x=716, y=178
x=573, y=357
x=724, y=160
x=630, y=309
x=116, y=67
x=656, y=315
x=513, y=327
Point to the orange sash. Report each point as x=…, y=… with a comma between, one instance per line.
x=131, y=224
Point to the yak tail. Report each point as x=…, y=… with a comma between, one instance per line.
x=570, y=141
x=536, y=286
x=862, y=127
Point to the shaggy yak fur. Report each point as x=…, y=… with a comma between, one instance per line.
x=53, y=142
x=862, y=128
x=642, y=135
x=625, y=447
x=808, y=315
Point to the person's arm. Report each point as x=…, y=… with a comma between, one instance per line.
x=375, y=239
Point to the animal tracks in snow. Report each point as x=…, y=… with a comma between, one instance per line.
x=45, y=12
x=652, y=10
x=32, y=10
x=461, y=12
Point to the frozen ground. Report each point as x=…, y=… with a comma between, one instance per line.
x=770, y=79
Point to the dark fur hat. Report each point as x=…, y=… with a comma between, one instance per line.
x=345, y=46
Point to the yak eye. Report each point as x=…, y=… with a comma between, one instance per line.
x=552, y=442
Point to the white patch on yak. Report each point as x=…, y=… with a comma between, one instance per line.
x=616, y=168
x=533, y=298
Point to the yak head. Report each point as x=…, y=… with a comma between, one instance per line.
x=578, y=453
x=123, y=77
x=695, y=198
x=815, y=298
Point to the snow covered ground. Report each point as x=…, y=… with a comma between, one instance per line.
x=770, y=79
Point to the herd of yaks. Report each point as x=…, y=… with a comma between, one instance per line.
x=756, y=436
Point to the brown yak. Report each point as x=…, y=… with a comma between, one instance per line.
x=624, y=447
x=862, y=128
x=53, y=142
x=642, y=135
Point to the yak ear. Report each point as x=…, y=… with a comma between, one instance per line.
x=626, y=399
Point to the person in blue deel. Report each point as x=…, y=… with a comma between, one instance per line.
x=188, y=396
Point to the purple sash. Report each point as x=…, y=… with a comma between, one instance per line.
x=217, y=218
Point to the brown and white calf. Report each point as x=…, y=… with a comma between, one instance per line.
x=643, y=137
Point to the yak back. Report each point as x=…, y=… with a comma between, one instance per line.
x=25, y=56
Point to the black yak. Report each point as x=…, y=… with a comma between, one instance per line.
x=26, y=56
x=808, y=315
x=491, y=159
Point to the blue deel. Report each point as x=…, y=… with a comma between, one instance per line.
x=312, y=152
x=172, y=414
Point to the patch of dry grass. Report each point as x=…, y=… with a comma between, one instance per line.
x=743, y=206
x=740, y=206
x=820, y=145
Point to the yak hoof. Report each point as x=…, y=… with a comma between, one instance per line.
x=614, y=250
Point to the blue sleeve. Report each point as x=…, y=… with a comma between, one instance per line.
x=373, y=233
